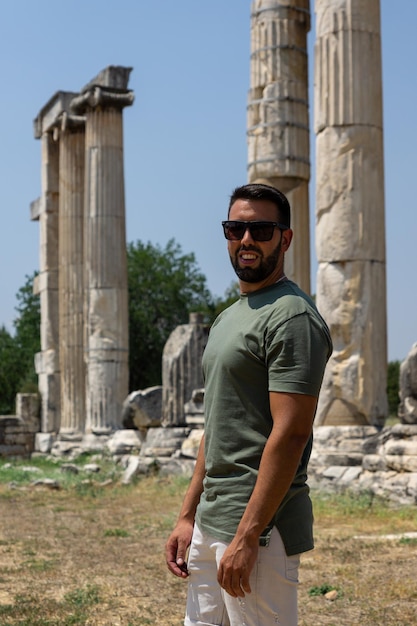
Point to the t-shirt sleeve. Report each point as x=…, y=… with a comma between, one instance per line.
x=297, y=352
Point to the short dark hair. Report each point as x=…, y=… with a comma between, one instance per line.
x=258, y=191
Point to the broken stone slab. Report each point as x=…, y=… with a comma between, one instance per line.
x=125, y=441
x=374, y=463
x=400, y=447
x=334, y=472
x=138, y=465
x=407, y=410
x=339, y=458
x=401, y=463
x=351, y=475
x=177, y=467
x=67, y=449
x=191, y=445
x=143, y=409
x=44, y=442
x=164, y=442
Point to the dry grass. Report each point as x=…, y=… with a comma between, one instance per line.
x=93, y=556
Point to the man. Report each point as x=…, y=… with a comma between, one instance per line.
x=247, y=513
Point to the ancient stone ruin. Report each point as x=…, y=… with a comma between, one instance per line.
x=82, y=283
x=83, y=363
x=407, y=411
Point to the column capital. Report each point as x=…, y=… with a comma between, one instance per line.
x=98, y=96
x=47, y=117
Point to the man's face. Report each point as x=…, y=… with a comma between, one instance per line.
x=257, y=263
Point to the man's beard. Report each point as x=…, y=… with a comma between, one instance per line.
x=265, y=268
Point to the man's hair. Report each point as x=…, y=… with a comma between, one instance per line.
x=257, y=191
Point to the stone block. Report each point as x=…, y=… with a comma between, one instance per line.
x=164, y=442
x=400, y=447
x=403, y=463
x=143, y=409
x=346, y=459
x=374, y=463
x=351, y=475
x=44, y=442
x=334, y=472
x=125, y=441
x=191, y=445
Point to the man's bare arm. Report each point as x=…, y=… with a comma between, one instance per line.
x=293, y=416
x=180, y=538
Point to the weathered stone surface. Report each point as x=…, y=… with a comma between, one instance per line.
x=27, y=408
x=374, y=463
x=400, y=447
x=401, y=463
x=194, y=409
x=71, y=275
x=407, y=410
x=278, y=120
x=177, y=467
x=164, y=442
x=143, y=409
x=44, y=442
x=191, y=445
x=139, y=465
x=181, y=368
x=350, y=232
x=125, y=441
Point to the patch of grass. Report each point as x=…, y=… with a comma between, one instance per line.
x=364, y=510
x=23, y=472
x=38, y=565
x=116, y=532
x=408, y=541
x=321, y=590
x=84, y=597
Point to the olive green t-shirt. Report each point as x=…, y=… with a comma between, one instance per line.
x=270, y=340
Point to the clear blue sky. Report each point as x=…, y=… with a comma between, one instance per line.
x=185, y=136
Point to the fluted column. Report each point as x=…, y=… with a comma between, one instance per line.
x=46, y=211
x=278, y=124
x=71, y=276
x=102, y=102
x=350, y=234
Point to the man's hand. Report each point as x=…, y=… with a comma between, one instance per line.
x=176, y=548
x=236, y=565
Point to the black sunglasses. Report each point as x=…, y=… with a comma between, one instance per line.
x=260, y=231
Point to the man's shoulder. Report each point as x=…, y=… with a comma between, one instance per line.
x=282, y=295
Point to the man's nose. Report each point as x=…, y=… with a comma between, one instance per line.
x=247, y=236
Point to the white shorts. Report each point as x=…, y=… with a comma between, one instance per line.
x=273, y=580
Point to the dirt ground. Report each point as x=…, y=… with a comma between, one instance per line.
x=96, y=558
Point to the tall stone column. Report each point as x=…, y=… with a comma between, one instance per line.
x=278, y=123
x=71, y=276
x=350, y=234
x=102, y=102
x=45, y=210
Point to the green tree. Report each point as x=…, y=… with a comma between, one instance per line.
x=393, y=386
x=165, y=285
x=17, y=352
x=231, y=295
x=28, y=332
x=10, y=372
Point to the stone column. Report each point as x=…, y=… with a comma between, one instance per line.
x=350, y=234
x=71, y=276
x=278, y=124
x=45, y=209
x=102, y=102
x=181, y=368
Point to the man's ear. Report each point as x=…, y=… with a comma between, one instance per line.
x=286, y=239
